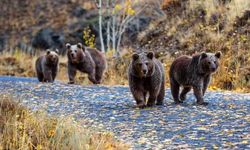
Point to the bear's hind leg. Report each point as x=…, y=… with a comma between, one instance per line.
x=91, y=77
x=161, y=94
x=175, y=88
x=98, y=75
x=40, y=77
x=184, y=93
x=199, y=95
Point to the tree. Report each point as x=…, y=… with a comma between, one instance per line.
x=99, y=7
x=118, y=15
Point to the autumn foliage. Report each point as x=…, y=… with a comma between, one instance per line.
x=21, y=128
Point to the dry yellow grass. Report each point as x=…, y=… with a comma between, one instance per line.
x=23, y=129
x=230, y=75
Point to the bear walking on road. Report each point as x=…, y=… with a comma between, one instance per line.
x=193, y=72
x=47, y=66
x=86, y=60
x=146, y=77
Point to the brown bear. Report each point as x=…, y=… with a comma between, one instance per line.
x=47, y=66
x=86, y=60
x=146, y=77
x=193, y=72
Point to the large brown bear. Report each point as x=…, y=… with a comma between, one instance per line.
x=193, y=72
x=146, y=77
x=47, y=66
x=86, y=60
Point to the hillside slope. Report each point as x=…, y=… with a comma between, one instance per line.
x=168, y=27
x=191, y=26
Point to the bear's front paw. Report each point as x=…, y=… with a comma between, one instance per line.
x=141, y=105
x=159, y=103
x=71, y=82
x=203, y=103
x=96, y=82
x=178, y=102
x=150, y=104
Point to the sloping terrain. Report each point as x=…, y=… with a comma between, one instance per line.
x=43, y=24
x=191, y=26
x=20, y=21
x=168, y=27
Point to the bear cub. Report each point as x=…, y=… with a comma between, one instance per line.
x=47, y=66
x=86, y=60
x=146, y=78
x=193, y=72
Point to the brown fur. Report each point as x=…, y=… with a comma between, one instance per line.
x=192, y=72
x=47, y=66
x=86, y=60
x=146, y=75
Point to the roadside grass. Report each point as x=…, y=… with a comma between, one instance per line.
x=230, y=76
x=21, y=128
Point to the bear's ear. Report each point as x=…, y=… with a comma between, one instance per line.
x=150, y=55
x=57, y=51
x=203, y=55
x=68, y=46
x=47, y=51
x=218, y=54
x=79, y=45
x=135, y=56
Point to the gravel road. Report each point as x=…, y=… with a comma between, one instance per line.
x=223, y=124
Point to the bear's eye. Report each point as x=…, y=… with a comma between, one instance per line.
x=146, y=63
x=140, y=64
x=209, y=62
x=215, y=62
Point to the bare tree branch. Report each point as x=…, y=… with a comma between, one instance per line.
x=97, y=4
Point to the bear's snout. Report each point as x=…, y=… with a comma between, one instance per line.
x=73, y=55
x=53, y=59
x=144, y=69
x=213, y=68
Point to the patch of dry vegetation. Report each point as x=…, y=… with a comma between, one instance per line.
x=23, y=129
x=230, y=76
x=192, y=26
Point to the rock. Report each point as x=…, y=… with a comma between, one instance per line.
x=2, y=42
x=136, y=26
x=78, y=12
x=47, y=38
